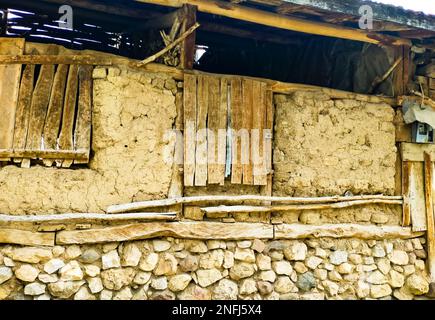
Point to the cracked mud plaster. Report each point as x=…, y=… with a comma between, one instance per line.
x=131, y=112
x=327, y=147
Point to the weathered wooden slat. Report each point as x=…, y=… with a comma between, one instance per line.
x=237, y=199
x=45, y=154
x=222, y=131
x=22, y=116
x=428, y=193
x=54, y=112
x=9, y=89
x=87, y=217
x=55, y=106
x=190, y=107
x=406, y=191
x=11, y=59
x=189, y=230
x=259, y=118
x=82, y=135
x=27, y=238
x=38, y=109
x=236, y=126
x=215, y=173
x=268, y=138
x=416, y=199
x=248, y=109
x=66, y=133
x=366, y=232
x=415, y=151
x=201, y=136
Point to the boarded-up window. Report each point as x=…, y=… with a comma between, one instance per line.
x=227, y=130
x=46, y=111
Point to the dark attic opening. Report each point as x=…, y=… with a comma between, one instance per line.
x=221, y=45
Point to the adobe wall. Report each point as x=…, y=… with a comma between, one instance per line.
x=168, y=268
x=131, y=111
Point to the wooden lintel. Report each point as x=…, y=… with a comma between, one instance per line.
x=188, y=230
x=366, y=232
x=270, y=19
x=27, y=238
x=54, y=59
x=415, y=151
x=80, y=155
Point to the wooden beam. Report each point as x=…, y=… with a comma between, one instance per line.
x=188, y=46
x=415, y=151
x=189, y=230
x=270, y=19
x=366, y=232
x=87, y=217
x=428, y=193
x=54, y=59
x=26, y=238
x=237, y=199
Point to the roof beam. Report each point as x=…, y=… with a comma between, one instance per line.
x=266, y=18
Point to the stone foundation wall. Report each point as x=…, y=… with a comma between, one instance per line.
x=169, y=268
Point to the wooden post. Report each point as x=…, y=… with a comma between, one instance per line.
x=428, y=192
x=188, y=46
x=3, y=22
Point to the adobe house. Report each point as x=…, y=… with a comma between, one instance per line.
x=198, y=149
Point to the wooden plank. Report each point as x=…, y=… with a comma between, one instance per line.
x=237, y=199
x=9, y=89
x=430, y=234
x=45, y=154
x=414, y=151
x=17, y=58
x=87, y=217
x=417, y=199
x=54, y=112
x=215, y=168
x=222, y=130
x=26, y=238
x=201, y=135
x=82, y=135
x=22, y=116
x=38, y=109
x=236, y=126
x=259, y=119
x=366, y=232
x=190, y=109
x=248, y=105
x=189, y=230
x=406, y=191
x=66, y=133
x=268, y=139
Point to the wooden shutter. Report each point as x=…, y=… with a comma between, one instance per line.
x=212, y=105
x=46, y=110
